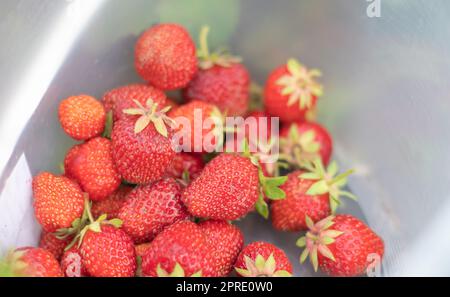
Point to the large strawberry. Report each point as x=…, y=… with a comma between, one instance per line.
x=121, y=98
x=226, y=240
x=141, y=145
x=185, y=164
x=72, y=263
x=82, y=117
x=341, y=245
x=302, y=142
x=263, y=259
x=58, y=201
x=315, y=194
x=53, y=244
x=30, y=262
x=112, y=204
x=150, y=208
x=94, y=169
x=221, y=80
x=165, y=56
x=182, y=249
x=291, y=92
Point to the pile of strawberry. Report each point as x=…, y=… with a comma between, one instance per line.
x=129, y=205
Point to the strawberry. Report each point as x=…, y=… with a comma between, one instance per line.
x=54, y=245
x=121, y=98
x=58, y=201
x=340, y=245
x=226, y=240
x=150, y=208
x=72, y=263
x=141, y=146
x=221, y=80
x=263, y=259
x=165, y=56
x=94, y=169
x=182, y=249
x=291, y=92
x=30, y=262
x=82, y=117
x=303, y=142
x=111, y=205
x=184, y=163
x=68, y=161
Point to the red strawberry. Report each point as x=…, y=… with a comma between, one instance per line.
x=221, y=80
x=142, y=149
x=111, y=205
x=165, y=56
x=226, y=189
x=68, y=160
x=263, y=259
x=226, y=240
x=150, y=208
x=291, y=92
x=303, y=142
x=82, y=117
x=53, y=244
x=181, y=249
x=30, y=262
x=340, y=245
x=72, y=263
x=58, y=201
x=94, y=169
x=121, y=98
x=185, y=163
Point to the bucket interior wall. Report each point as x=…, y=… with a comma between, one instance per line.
x=386, y=99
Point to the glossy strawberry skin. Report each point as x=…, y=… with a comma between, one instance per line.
x=183, y=243
x=54, y=245
x=192, y=164
x=226, y=87
x=82, y=117
x=72, y=263
x=94, y=169
x=227, y=240
x=289, y=214
x=322, y=136
x=38, y=263
x=122, y=98
x=351, y=249
x=150, y=208
x=264, y=249
x=276, y=104
x=165, y=56
x=58, y=201
x=140, y=158
x=227, y=189
x=111, y=205
x=109, y=253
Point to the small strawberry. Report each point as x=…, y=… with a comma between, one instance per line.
x=165, y=56
x=121, y=98
x=301, y=143
x=82, y=117
x=141, y=146
x=72, y=263
x=94, y=169
x=150, y=208
x=30, y=262
x=227, y=241
x=221, y=80
x=291, y=92
x=340, y=245
x=58, y=201
x=263, y=259
x=184, y=163
x=53, y=244
x=182, y=249
x=111, y=205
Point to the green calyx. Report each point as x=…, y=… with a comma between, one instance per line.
x=220, y=57
x=108, y=125
x=300, y=84
x=177, y=271
x=149, y=114
x=328, y=181
x=261, y=267
x=12, y=265
x=317, y=240
x=300, y=149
